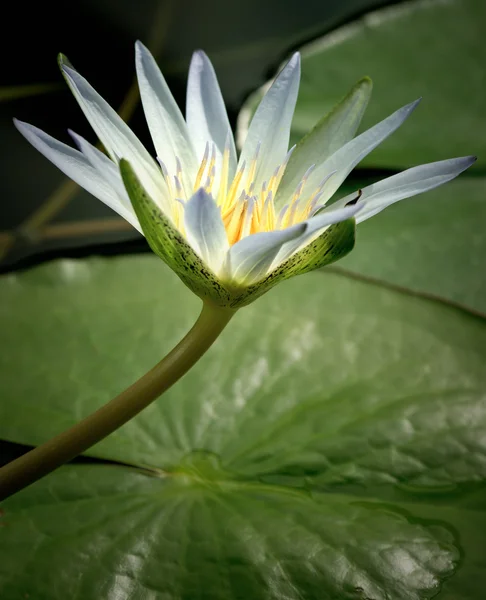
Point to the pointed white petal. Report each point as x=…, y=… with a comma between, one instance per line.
x=346, y=158
x=270, y=126
x=207, y=119
x=314, y=227
x=76, y=166
x=166, y=123
x=205, y=230
x=249, y=260
x=105, y=167
x=114, y=133
x=411, y=182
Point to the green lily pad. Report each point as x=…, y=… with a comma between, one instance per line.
x=303, y=457
x=433, y=244
x=433, y=50
x=465, y=514
x=116, y=534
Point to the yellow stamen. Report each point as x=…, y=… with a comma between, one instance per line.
x=268, y=216
x=256, y=221
x=282, y=217
x=291, y=214
x=245, y=209
x=272, y=184
x=223, y=184
x=202, y=168
x=247, y=217
x=167, y=179
x=230, y=198
x=178, y=215
x=211, y=170
x=279, y=172
x=311, y=203
x=297, y=208
x=233, y=221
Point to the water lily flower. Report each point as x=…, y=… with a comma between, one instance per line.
x=232, y=227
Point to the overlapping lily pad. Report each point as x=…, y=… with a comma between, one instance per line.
x=430, y=49
x=116, y=534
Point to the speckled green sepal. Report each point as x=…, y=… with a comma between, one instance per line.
x=169, y=244
x=337, y=241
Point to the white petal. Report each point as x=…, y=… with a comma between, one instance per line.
x=106, y=168
x=114, y=133
x=249, y=260
x=330, y=216
x=76, y=166
x=346, y=158
x=314, y=227
x=205, y=230
x=207, y=119
x=166, y=123
x=411, y=182
x=270, y=126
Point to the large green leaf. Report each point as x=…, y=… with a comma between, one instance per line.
x=304, y=457
x=102, y=532
x=431, y=49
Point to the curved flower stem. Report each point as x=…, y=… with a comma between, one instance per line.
x=40, y=461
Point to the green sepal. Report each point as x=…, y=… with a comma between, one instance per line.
x=332, y=245
x=169, y=244
x=333, y=131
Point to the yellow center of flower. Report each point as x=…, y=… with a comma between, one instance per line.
x=244, y=209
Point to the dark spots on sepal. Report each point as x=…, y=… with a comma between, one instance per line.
x=337, y=241
x=170, y=245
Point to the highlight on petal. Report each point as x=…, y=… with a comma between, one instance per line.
x=249, y=260
x=78, y=167
x=205, y=230
x=331, y=133
x=114, y=133
x=376, y=197
x=167, y=126
x=343, y=161
x=269, y=131
x=207, y=119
